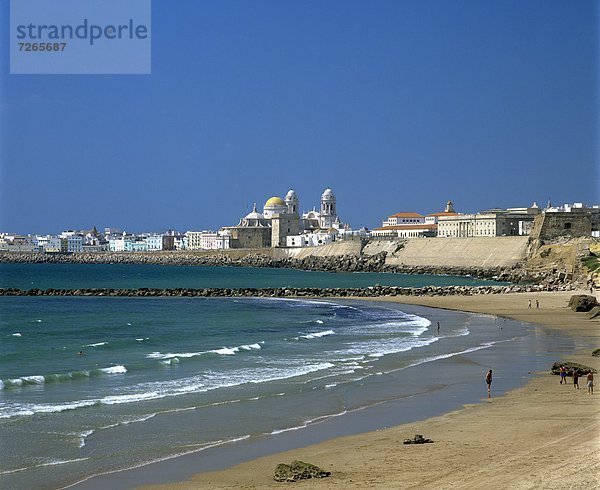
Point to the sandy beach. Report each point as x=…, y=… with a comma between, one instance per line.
x=543, y=435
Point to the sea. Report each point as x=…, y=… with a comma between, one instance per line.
x=96, y=385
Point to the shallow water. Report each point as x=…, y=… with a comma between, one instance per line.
x=166, y=376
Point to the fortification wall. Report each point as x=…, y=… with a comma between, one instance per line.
x=548, y=226
x=483, y=252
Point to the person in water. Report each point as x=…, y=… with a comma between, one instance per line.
x=488, y=380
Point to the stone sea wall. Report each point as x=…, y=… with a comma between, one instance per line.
x=369, y=292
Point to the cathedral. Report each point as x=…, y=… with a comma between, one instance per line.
x=281, y=219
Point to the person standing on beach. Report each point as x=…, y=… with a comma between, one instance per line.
x=488, y=380
x=563, y=375
x=537, y=304
x=438, y=327
x=529, y=304
x=576, y=379
x=590, y=383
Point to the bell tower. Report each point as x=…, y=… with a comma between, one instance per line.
x=328, y=209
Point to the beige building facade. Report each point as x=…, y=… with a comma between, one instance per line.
x=487, y=224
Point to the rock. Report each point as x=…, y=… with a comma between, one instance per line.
x=298, y=470
x=582, y=302
x=570, y=367
x=596, y=352
x=594, y=312
x=418, y=439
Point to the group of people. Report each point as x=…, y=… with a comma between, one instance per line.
x=575, y=374
x=537, y=304
x=563, y=378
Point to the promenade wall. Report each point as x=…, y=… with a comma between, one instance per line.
x=481, y=252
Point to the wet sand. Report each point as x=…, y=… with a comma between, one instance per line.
x=544, y=435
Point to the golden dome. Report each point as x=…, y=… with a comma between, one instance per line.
x=275, y=201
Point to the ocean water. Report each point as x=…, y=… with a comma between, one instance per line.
x=94, y=385
x=73, y=276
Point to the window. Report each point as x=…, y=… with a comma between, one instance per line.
x=567, y=226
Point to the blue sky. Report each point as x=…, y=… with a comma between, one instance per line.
x=395, y=105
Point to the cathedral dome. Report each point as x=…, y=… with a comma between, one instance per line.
x=254, y=214
x=275, y=201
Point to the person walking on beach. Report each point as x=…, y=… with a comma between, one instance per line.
x=537, y=304
x=576, y=379
x=529, y=305
x=563, y=375
x=438, y=327
x=590, y=383
x=488, y=380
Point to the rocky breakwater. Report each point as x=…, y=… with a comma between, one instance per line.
x=340, y=263
x=369, y=292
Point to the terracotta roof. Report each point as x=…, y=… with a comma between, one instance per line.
x=406, y=215
x=421, y=226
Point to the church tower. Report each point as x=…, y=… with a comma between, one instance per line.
x=328, y=209
x=292, y=202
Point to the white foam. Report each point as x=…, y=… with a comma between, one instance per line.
x=83, y=436
x=96, y=345
x=317, y=334
x=250, y=346
x=16, y=334
x=226, y=351
x=169, y=362
x=316, y=420
x=31, y=409
x=38, y=380
x=486, y=345
x=158, y=355
x=51, y=463
x=114, y=370
x=288, y=429
x=162, y=389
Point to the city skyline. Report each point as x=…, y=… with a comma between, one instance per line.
x=399, y=106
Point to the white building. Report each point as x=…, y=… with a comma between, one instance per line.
x=154, y=243
x=495, y=222
x=117, y=244
x=75, y=243
x=207, y=240
x=412, y=225
x=53, y=244
x=17, y=243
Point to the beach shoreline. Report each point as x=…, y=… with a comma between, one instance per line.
x=542, y=435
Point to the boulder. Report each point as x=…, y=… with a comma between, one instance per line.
x=298, y=470
x=418, y=439
x=594, y=312
x=582, y=302
x=596, y=352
